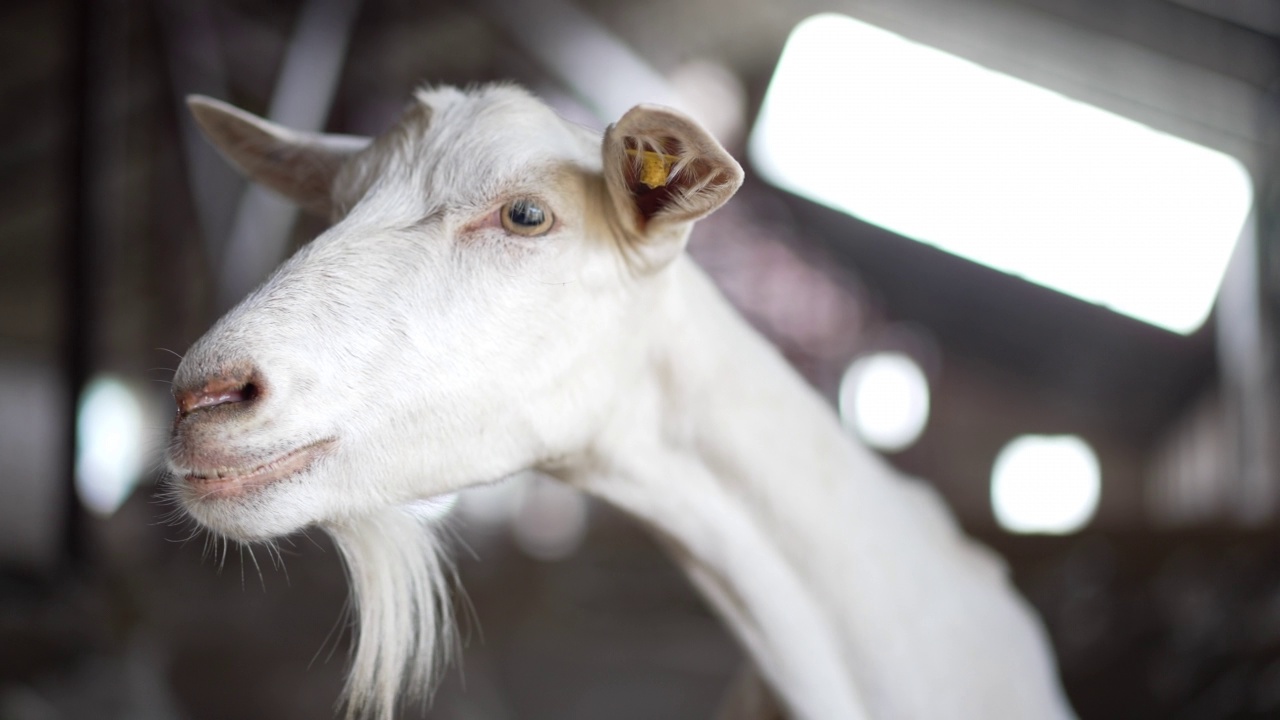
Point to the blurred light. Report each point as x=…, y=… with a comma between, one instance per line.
x=551, y=521
x=714, y=96
x=885, y=399
x=1045, y=484
x=1001, y=172
x=546, y=518
x=584, y=54
x=494, y=505
x=111, y=444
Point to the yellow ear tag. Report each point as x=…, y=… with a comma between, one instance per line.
x=654, y=167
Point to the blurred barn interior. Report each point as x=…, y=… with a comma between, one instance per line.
x=123, y=236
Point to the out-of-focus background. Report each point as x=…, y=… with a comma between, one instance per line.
x=1027, y=248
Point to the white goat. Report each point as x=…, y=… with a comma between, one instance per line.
x=502, y=290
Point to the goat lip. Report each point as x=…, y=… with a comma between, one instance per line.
x=229, y=481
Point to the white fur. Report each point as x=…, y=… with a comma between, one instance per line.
x=438, y=351
x=399, y=585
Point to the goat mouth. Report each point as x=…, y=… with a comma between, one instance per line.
x=230, y=481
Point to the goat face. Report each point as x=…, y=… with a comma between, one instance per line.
x=472, y=312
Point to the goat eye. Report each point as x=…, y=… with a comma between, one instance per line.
x=526, y=217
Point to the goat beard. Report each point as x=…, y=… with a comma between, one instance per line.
x=400, y=591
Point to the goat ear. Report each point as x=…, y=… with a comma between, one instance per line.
x=664, y=171
x=299, y=165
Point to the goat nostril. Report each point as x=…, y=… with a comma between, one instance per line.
x=216, y=392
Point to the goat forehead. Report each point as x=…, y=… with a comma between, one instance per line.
x=473, y=143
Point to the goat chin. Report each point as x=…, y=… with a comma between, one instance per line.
x=400, y=589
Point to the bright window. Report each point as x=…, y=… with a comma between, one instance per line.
x=1001, y=172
